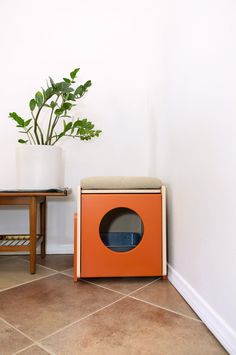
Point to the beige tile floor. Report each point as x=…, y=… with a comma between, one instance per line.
x=48, y=313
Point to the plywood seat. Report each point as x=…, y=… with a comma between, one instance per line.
x=120, y=183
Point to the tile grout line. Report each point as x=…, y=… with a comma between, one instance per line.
x=28, y=347
x=107, y=288
x=45, y=267
x=104, y=287
x=81, y=319
x=18, y=330
x=140, y=288
x=22, y=349
x=150, y=303
x=51, y=269
x=67, y=269
x=166, y=309
x=63, y=273
x=34, y=342
x=100, y=309
x=28, y=282
x=44, y=348
x=121, y=293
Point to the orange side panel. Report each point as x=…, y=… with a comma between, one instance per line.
x=75, y=247
x=99, y=261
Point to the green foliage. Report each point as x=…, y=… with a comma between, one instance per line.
x=38, y=99
x=22, y=141
x=58, y=99
x=32, y=104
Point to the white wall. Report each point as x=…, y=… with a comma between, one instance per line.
x=110, y=41
x=196, y=151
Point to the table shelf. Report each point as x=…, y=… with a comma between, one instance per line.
x=34, y=200
x=13, y=242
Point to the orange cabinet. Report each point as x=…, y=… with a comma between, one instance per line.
x=120, y=234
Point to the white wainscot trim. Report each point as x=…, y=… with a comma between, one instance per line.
x=217, y=325
x=60, y=249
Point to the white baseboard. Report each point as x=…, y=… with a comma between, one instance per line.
x=60, y=249
x=222, y=331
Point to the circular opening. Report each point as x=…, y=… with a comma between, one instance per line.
x=121, y=229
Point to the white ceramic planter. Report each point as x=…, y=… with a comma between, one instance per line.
x=39, y=167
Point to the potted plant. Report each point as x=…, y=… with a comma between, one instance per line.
x=51, y=119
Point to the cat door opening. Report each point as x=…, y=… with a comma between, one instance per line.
x=121, y=229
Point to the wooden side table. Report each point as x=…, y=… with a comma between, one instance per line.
x=32, y=199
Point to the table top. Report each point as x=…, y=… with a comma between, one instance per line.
x=25, y=193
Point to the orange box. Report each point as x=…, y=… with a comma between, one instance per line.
x=120, y=233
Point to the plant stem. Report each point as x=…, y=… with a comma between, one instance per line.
x=30, y=135
x=53, y=126
x=36, y=126
x=35, y=132
x=56, y=119
x=48, y=139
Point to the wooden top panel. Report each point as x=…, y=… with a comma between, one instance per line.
x=28, y=193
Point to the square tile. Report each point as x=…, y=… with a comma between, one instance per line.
x=163, y=294
x=15, y=271
x=124, y=285
x=57, y=262
x=41, y=307
x=134, y=327
x=11, y=340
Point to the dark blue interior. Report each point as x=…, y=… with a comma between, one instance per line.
x=121, y=241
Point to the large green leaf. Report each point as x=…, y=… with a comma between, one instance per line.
x=64, y=87
x=53, y=104
x=77, y=123
x=32, y=104
x=17, y=118
x=71, y=97
x=61, y=134
x=74, y=73
x=90, y=125
x=26, y=123
x=66, y=80
x=39, y=98
x=49, y=92
x=87, y=84
x=66, y=106
x=79, y=91
x=97, y=133
x=68, y=126
x=58, y=112
x=84, y=122
x=52, y=82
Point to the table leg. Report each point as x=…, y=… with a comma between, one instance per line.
x=33, y=231
x=43, y=227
